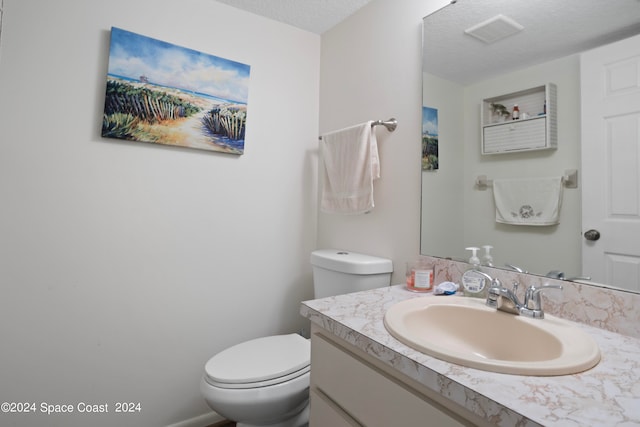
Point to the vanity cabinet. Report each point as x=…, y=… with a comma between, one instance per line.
x=350, y=388
x=536, y=128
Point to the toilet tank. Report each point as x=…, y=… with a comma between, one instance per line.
x=337, y=272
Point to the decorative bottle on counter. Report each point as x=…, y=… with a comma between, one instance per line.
x=420, y=275
x=515, y=114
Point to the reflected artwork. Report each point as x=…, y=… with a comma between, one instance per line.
x=429, y=138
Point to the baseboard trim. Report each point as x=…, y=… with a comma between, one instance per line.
x=200, y=421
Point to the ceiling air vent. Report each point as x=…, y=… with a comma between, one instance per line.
x=494, y=29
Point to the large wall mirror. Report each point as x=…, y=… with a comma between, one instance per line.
x=460, y=71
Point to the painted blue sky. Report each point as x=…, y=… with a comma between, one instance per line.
x=430, y=121
x=133, y=55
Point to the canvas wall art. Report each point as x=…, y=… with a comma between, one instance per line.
x=161, y=93
x=429, y=138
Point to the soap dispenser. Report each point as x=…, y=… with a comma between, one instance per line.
x=473, y=283
x=487, y=259
x=474, y=260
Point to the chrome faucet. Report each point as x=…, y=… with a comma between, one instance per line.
x=506, y=300
x=495, y=283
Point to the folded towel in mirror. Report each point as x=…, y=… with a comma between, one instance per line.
x=528, y=201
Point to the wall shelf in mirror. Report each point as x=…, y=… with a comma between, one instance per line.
x=535, y=129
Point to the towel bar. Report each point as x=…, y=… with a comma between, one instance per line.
x=569, y=179
x=391, y=124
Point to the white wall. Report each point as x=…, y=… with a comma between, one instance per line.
x=371, y=69
x=125, y=266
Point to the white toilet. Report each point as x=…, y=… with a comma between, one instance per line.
x=265, y=381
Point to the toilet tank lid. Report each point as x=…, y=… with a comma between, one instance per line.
x=350, y=262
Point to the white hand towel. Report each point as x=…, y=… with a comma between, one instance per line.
x=528, y=201
x=351, y=164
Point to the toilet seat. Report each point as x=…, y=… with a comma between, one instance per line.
x=260, y=362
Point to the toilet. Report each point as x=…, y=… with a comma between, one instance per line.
x=265, y=381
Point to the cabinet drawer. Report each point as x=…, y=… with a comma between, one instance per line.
x=369, y=396
x=325, y=413
x=515, y=136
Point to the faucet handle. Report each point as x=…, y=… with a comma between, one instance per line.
x=556, y=274
x=516, y=268
x=532, y=299
x=573, y=279
x=515, y=287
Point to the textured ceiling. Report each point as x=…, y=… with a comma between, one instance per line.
x=316, y=16
x=552, y=29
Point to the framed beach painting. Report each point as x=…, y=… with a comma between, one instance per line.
x=161, y=93
x=429, y=138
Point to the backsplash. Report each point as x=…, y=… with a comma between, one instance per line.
x=610, y=309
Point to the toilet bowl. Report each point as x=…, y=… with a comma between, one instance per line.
x=262, y=382
x=265, y=381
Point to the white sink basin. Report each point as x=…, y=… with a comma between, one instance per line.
x=465, y=331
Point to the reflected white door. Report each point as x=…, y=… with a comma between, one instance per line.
x=610, y=87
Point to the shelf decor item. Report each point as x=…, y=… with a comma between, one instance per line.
x=499, y=111
x=166, y=94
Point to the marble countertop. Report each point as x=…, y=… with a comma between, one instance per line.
x=606, y=395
